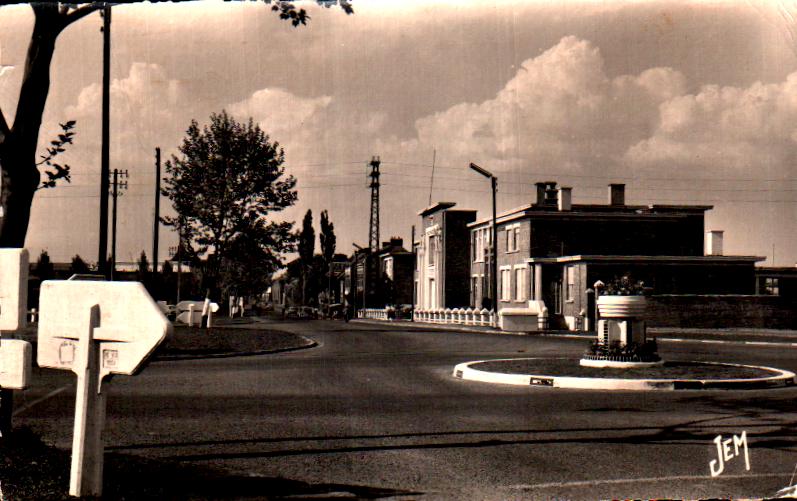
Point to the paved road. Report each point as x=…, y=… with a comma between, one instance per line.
x=373, y=412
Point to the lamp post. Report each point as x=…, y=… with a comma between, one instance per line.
x=494, y=246
x=597, y=286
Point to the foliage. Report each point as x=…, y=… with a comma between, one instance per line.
x=623, y=286
x=57, y=146
x=78, y=265
x=327, y=238
x=229, y=178
x=44, y=267
x=143, y=265
x=642, y=352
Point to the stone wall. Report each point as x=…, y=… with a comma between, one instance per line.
x=721, y=311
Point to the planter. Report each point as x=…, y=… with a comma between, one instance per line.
x=621, y=306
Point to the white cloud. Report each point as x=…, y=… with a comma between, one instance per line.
x=725, y=128
x=560, y=110
x=278, y=111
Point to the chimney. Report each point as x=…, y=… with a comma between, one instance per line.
x=565, y=198
x=616, y=194
x=714, y=243
x=540, y=193
x=550, y=193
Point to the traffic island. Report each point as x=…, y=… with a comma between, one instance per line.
x=194, y=342
x=567, y=373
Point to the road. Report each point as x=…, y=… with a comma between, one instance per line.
x=375, y=412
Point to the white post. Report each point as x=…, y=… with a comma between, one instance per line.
x=85, y=477
x=232, y=306
x=191, y=315
x=241, y=305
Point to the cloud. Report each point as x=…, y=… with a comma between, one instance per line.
x=278, y=111
x=560, y=110
x=728, y=128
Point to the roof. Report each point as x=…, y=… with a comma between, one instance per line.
x=437, y=207
x=648, y=259
x=595, y=211
x=776, y=271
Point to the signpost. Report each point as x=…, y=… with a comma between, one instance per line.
x=95, y=329
x=15, y=355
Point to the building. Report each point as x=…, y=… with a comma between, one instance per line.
x=442, y=257
x=777, y=281
x=552, y=252
x=396, y=266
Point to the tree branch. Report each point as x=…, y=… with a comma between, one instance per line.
x=83, y=11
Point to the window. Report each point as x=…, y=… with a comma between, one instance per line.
x=506, y=284
x=771, y=286
x=512, y=237
x=432, y=249
x=520, y=284
x=474, y=290
x=481, y=243
x=571, y=281
x=389, y=267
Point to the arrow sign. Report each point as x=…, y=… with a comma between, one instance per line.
x=130, y=326
x=94, y=329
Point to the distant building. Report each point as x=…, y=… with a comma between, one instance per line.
x=397, y=267
x=442, y=257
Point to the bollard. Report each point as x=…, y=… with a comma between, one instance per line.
x=191, y=315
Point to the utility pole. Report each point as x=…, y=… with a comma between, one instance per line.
x=156, y=224
x=116, y=186
x=373, y=225
x=102, y=263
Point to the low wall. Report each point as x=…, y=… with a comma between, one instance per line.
x=721, y=311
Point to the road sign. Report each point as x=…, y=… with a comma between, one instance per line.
x=15, y=364
x=131, y=324
x=94, y=329
x=13, y=289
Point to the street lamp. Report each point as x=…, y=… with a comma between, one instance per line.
x=494, y=272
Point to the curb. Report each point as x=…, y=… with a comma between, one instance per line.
x=494, y=331
x=781, y=379
x=169, y=358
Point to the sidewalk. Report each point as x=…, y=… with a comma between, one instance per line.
x=764, y=337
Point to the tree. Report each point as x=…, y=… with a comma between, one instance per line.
x=143, y=265
x=19, y=171
x=229, y=178
x=327, y=240
x=306, y=250
x=44, y=267
x=78, y=265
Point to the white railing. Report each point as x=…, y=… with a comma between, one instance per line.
x=374, y=313
x=462, y=316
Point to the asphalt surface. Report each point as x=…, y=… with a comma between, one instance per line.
x=373, y=411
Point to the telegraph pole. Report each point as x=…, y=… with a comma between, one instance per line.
x=102, y=263
x=116, y=186
x=156, y=224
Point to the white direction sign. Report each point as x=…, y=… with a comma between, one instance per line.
x=94, y=329
x=13, y=289
x=15, y=364
x=130, y=326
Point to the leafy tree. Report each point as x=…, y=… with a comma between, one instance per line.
x=327, y=240
x=44, y=267
x=306, y=250
x=19, y=172
x=143, y=265
x=78, y=265
x=229, y=178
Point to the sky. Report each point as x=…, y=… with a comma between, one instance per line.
x=685, y=102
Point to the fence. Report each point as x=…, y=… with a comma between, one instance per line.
x=463, y=316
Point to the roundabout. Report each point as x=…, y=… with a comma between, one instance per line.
x=567, y=373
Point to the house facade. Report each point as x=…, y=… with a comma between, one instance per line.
x=442, y=257
x=551, y=253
